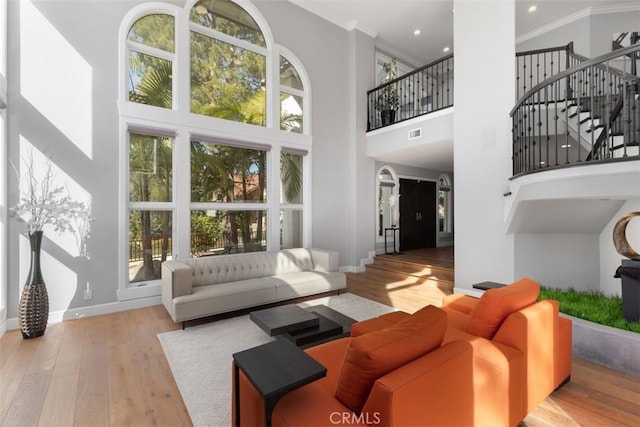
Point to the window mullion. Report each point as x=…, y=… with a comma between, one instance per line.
x=182, y=81
x=203, y=206
x=273, y=184
x=227, y=39
x=152, y=51
x=182, y=194
x=151, y=206
x=292, y=91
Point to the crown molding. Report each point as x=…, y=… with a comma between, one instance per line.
x=584, y=13
x=349, y=26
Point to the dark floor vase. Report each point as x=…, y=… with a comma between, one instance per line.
x=33, y=312
x=388, y=117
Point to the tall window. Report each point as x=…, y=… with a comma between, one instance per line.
x=150, y=204
x=228, y=198
x=204, y=183
x=291, y=198
x=444, y=204
x=387, y=186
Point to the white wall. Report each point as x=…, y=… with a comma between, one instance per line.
x=609, y=258
x=578, y=32
x=604, y=26
x=325, y=50
x=362, y=220
x=592, y=35
x=559, y=260
x=67, y=104
x=482, y=139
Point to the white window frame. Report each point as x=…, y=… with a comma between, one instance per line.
x=184, y=123
x=395, y=191
x=448, y=217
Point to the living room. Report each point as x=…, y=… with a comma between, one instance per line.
x=65, y=86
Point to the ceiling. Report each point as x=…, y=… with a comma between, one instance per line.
x=392, y=23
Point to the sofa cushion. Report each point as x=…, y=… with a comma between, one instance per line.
x=496, y=304
x=377, y=323
x=373, y=355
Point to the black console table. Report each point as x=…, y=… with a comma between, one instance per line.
x=274, y=369
x=488, y=285
x=395, y=231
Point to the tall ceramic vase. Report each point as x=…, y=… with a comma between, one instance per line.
x=33, y=311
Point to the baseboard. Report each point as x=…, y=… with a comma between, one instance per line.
x=93, y=310
x=358, y=268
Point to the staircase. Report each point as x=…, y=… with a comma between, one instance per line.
x=587, y=112
x=408, y=281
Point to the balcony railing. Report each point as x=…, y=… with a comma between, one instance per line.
x=535, y=66
x=422, y=91
x=587, y=113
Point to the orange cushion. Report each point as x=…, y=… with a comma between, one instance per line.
x=375, y=354
x=496, y=304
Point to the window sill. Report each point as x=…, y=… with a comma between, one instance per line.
x=152, y=289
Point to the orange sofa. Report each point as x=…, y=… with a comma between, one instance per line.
x=475, y=361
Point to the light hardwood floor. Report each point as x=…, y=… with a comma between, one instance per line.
x=110, y=370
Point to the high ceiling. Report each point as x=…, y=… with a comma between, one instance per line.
x=393, y=22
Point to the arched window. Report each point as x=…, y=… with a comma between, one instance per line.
x=444, y=205
x=387, y=187
x=291, y=97
x=202, y=88
x=228, y=63
x=151, y=47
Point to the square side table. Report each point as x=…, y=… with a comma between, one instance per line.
x=274, y=369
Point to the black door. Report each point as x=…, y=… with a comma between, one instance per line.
x=417, y=214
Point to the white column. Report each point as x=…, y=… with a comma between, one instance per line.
x=484, y=55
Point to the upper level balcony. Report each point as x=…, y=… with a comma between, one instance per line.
x=571, y=110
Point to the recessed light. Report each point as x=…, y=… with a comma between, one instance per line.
x=533, y=8
x=565, y=146
x=446, y=49
x=416, y=32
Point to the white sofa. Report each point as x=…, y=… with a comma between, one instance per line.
x=201, y=287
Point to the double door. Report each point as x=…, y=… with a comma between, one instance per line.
x=418, y=215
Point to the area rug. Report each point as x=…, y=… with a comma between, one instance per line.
x=200, y=356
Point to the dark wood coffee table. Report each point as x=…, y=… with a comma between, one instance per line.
x=285, y=318
x=274, y=369
x=305, y=327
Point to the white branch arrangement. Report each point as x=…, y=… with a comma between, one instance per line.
x=393, y=199
x=43, y=203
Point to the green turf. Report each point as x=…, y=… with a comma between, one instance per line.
x=591, y=306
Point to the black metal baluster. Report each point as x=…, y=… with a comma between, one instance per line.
x=556, y=85
x=566, y=120
x=546, y=103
